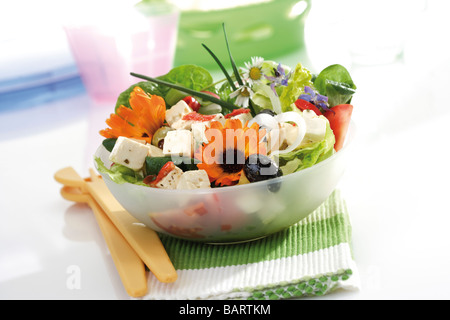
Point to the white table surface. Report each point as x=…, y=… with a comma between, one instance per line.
x=396, y=186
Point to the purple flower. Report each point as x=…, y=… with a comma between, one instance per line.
x=280, y=78
x=315, y=98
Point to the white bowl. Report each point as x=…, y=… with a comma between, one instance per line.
x=232, y=214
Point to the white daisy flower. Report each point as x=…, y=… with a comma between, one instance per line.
x=243, y=95
x=252, y=72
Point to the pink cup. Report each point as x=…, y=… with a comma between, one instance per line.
x=108, y=49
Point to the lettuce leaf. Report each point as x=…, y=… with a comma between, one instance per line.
x=120, y=174
x=336, y=83
x=307, y=155
x=189, y=76
x=300, y=78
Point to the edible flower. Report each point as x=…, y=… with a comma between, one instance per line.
x=243, y=94
x=252, y=72
x=146, y=115
x=223, y=157
x=280, y=78
x=315, y=98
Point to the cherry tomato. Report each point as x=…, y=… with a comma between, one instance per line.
x=192, y=103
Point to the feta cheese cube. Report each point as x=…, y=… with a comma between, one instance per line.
x=198, y=133
x=129, y=153
x=177, y=111
x=218, y=117
x=290, y=133
x=196, y=179
x=139, y=140
x=316, y=126
x=283, y=137
x=316, y=129
x=171, y=180
x=178, y=143
x=182, y=124
x=154, y=151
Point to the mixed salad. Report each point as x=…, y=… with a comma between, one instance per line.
x=183, y=130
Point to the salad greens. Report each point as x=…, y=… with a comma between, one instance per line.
x=120, y=174
x=336, y=83
x=300, y=78
x=188, y=76
x=307, y=155
x=154, y=164
x=311, y=113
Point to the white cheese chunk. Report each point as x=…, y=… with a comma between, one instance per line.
x=129, y=153
x=177, y=111
x=182, y=124
x=195, y=179
x=171, y=180
x=154, y=151
x=198, y=133
x=139, y=140
x=316, y=126
x=219, y=117
x=178, y=143
x=283, y=137
x=290, y=133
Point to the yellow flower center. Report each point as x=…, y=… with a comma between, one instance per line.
x=245, y=92
x=255, y=73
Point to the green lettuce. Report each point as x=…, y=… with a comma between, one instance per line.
x=300, y=78
x=336, y=83
x=264, y=97
x=189, y=76
x=120, y=174
x=307, y=155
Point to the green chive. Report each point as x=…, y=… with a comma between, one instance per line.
x=202, y=95
x=221, y=67
x=251, y=107
x=233, y=64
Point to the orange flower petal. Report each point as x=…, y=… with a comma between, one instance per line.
x=233, y=124
x=216, y=125
x=146, y=115
x=235, y=136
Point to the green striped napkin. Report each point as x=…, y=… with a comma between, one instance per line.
x=311, y=258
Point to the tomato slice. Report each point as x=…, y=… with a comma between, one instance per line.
x=195, y=116
x=339, y=117
x=165, y=170
x=305, y=105
x=237, y=112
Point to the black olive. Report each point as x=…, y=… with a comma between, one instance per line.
x=259, y=168
x=274, y=187
x=268, y=111
x=161, y=144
